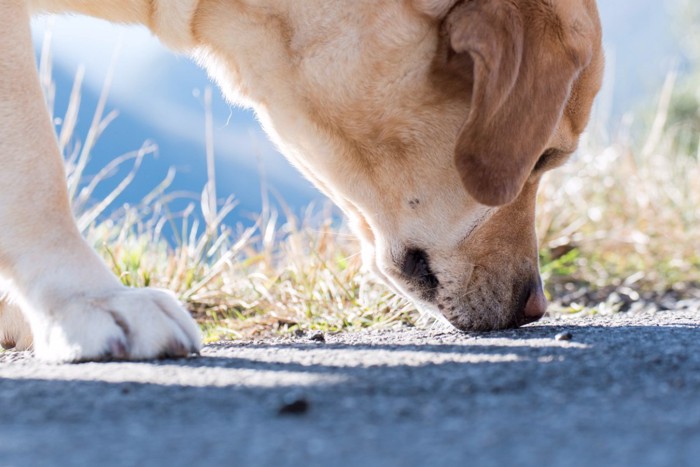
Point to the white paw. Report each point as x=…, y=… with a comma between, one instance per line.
x=14, y=330
x=124, y=324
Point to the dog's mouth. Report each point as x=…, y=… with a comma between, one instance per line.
x=489, y=305
x=482, y=300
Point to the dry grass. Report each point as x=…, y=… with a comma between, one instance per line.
x=621, y=214
x=627, y=213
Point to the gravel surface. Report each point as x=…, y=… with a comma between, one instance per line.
x=621, y=389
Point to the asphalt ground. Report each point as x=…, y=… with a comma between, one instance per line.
x=620, y=389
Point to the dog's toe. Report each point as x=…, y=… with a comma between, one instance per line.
x=127, y=324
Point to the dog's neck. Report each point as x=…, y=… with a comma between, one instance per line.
x=171, y=21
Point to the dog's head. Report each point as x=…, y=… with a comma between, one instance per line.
x=429, y=123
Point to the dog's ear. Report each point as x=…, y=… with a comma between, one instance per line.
x=520, y=59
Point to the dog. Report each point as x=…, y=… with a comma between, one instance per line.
x=428, y=122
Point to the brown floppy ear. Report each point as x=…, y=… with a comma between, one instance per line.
x=525, y=57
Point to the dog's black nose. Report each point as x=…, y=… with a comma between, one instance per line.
x=416, y=269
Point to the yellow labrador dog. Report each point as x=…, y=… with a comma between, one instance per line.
x=429, y=122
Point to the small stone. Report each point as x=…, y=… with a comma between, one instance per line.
x=564, y=336
x=317, y=337
x=299, y=333
x=295, y=407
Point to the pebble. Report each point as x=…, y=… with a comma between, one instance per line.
x=564, y=336
x=317, y=337
x=296, y=407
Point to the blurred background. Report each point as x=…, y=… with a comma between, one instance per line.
x=159, y=98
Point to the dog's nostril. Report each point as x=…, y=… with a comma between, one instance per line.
x=416, y=268
x=415, y=264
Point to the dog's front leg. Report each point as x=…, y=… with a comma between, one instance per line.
x=76, y=308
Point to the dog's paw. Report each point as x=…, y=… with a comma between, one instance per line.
x=126, y=324
x=14, y=330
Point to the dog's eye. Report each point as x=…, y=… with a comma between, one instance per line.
x=550, y=159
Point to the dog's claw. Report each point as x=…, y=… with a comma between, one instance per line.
x=117, y=350
x=7, y=344
x=175, y=349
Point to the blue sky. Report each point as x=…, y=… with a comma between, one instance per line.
x=159, y=98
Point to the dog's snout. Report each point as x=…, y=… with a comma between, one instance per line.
x=416, y=269
x=536, y=304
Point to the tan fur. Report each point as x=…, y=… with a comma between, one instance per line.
x=512, y=47
x=391, y=108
